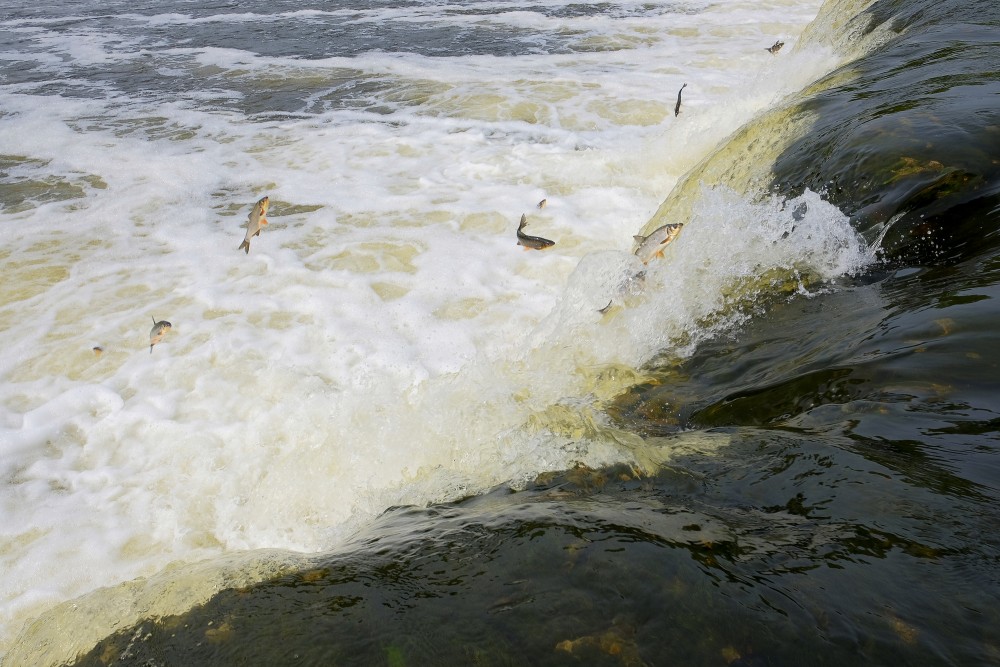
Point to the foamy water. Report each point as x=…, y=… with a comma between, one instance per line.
x=385, y=341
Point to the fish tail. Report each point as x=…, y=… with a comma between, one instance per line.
x=245, y=246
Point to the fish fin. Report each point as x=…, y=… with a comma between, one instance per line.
x=263, y=221
x=154, y=320
x=639, y=238
x=257, y=233
x=524, y=222
x=659, y=253
x=245, y=246
x=151, y=349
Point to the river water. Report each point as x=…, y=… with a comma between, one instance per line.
x=776, y=444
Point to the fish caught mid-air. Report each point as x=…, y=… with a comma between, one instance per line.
x=255, y=221
x=677, y=109
x=531, y=242
x=653, y=244
x=775, y=47
x=157, y=333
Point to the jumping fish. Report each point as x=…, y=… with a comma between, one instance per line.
x=157, y=333
x=653, y=244
x=677, y=109
x=255, y=221
x=531, y=242
x=775, y=47
x=542, y=203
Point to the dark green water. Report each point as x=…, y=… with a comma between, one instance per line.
x=914, y=136
x=851, y=517
x=782, y=551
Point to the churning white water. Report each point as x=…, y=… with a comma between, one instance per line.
x=385, y=340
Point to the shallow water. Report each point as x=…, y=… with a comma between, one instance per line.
x=798, y=427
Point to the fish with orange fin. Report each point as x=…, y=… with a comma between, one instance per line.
x=157, y=333
x=255, y=221
x=653, y=244
x=531, y=242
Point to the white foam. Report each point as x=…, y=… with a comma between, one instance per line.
x=385, y=341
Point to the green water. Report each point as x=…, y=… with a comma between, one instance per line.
x=785, y=550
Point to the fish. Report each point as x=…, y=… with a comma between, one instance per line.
x=677, y=109
x=775, y=48
x=157, y=333
x=630, y=284
x=255, y=221
x=531, y=242
x=542, y=203
x=653, y=244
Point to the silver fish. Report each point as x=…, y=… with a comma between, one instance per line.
x=157, y=333
x=255, y=221
x=653, y=244
x=775, y=48
x=677, y=109
x=531, y=242
x=542, y=203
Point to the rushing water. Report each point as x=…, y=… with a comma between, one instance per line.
x=781, y=436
